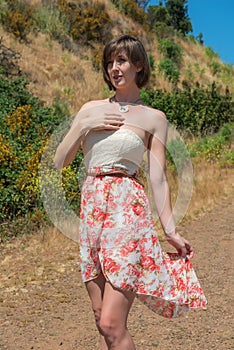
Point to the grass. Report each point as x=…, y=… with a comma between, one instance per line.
x=57, y=74
x=212, y=184
x=53, y=72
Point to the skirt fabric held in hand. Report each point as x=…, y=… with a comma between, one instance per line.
x=118, y=238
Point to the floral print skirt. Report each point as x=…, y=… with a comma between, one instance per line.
x=118, y=238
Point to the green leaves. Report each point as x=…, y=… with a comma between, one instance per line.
x=25, y=128
x=198, y=110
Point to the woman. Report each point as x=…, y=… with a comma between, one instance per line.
x=121, y=257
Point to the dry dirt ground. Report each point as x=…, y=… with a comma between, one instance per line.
x=44, y=305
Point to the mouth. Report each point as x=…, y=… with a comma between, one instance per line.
x=117, y=77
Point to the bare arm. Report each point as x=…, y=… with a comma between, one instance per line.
x=70, y=145
x=160, y=187
x=91, y=116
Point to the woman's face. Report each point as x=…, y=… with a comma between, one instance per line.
x=121, y=71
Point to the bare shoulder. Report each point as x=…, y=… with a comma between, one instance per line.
x=93, y=103
x=155, y=117
x=155, y=113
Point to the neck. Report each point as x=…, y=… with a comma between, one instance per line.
x=130, y=96
x=124, y=98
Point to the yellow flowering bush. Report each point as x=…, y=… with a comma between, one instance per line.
x=19, y=120
x=86, y=21
x=18, y=18
x=26, y=126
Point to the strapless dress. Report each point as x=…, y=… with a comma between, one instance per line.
x=117, y=233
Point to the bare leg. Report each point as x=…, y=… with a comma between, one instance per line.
x=95, y=290
x=111, y=307
x=113, y=323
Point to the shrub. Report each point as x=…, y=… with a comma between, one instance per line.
x=215, y=67
x=130, y=8
x=25, y=128
x=162, y=30
x=151, y=62
x=87, y=21
x=198, y=110
x=168, y=68
x=210, y=52
x=18, y=18
x=177, y=154
x=157, y=14
x=170, y=50
x=50, y=20
x=216, y=147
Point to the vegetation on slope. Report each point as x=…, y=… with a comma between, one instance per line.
x=188, y=82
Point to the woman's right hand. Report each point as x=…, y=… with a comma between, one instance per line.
x=92, y=116
x=101, y=116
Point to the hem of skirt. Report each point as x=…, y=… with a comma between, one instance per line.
x=174, y=309
x=92, y=278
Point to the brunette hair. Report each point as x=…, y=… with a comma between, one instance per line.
x=135, y=52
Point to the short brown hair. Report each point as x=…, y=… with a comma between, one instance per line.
x=136, y=53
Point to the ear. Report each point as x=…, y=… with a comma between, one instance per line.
x=139, y=67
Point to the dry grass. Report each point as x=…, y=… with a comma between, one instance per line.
x=211, y=184
x=196, y=60
x=56, y=73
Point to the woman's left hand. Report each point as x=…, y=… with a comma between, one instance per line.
x=183, y=246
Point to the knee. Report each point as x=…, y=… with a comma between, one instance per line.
x=110, y=329
x=106, y=326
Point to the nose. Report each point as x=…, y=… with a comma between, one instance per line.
x=114, y=66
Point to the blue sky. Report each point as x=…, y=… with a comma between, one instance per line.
x=215, y=20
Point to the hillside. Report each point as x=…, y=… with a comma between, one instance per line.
x=71, y=74
x=58, y=50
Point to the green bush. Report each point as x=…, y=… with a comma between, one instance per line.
x=49, y=20
x=18, y=18
x=198, y=110
x=162, y=30
x=216, y=147
x=170, y=50
x=26, y=126
x=169, y=69
x=151, y=62
x=130, y=8
x=215, y=67
x=86, y=21
x=210, y=52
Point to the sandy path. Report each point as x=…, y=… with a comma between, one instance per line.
x=43, y=303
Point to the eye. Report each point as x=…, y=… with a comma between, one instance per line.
x=121, y=60
x=109, y=64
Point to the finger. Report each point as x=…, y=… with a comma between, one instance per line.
x=112, y=115
x=191, y=253
x=113, y=122
x=183, y=252
x=189, y=248
x=111, y=127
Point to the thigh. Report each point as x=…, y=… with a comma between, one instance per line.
x=116, y=305
x=95, y=290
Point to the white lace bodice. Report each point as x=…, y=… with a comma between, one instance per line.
x=122, y=150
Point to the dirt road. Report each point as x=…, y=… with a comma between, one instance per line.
x=43, y=303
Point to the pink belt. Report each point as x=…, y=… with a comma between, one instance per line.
x=118, y=173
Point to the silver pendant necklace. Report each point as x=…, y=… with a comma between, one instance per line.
x=124, y=108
